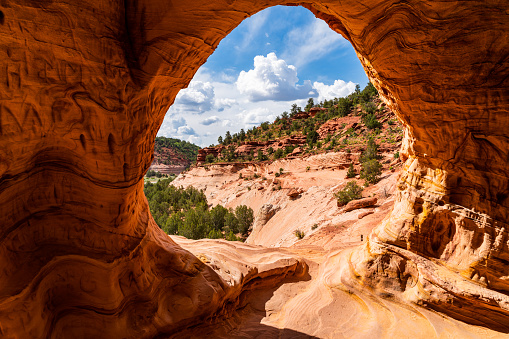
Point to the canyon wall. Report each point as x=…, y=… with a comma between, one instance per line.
x=85, y=86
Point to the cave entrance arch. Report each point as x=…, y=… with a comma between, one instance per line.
x=84, y=91
x=291, y=35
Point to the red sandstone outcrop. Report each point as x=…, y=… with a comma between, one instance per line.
x=359, y=203
x=314, y=110
x=202, y=153
x=84, y=88
x=294, y=193
x=250, y=147
x=300, y=115
x=338, y=124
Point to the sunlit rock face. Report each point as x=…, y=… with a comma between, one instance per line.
x=85, y=86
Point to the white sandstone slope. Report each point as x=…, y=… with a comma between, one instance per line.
x=312, y=209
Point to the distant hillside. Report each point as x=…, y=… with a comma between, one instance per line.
x=173, y=155
x=337, y=125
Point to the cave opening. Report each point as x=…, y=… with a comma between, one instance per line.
x=282, y=59
x=240, y=86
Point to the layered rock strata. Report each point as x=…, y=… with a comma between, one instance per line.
x=85, y=86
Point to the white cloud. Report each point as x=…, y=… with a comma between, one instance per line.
x=210, y=120
x=256, y=116
x=227, y=123
x=197, y=98
x=226, y=77
x=312, y=42
x=223, y=103
x=253, y=24
x=176, y=123
x=194, y=139
x=272, y=79
x=338, y=89
x=185, y=130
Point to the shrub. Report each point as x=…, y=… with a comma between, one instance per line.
x=344, y=106
x=369, y=107
x=312, y=137
x=279, y=153
x=371, y=121
x=350, y=132
x=371, y=151
x=368, y=92
x=245, y=218
x=299, y=234
x=352, y=191
x=314, y=227
x=371, y=171
x=396, y=155
x=289, y=149
x=260, y=156
x=308, y=168
x=209, y=158
x=231, y=237
x=351, y=171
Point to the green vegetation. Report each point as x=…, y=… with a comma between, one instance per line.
x=185, y=149
x=371, y=168
x=209, y=158
x=185, y=211
x=155, y=174
x=351, y=172
x=371, y=122
x=299, y=234
x=371, y=151
x=294, y=125
x=352, y=191
x=371, y=171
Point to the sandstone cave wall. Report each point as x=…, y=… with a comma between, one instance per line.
x=85, y=86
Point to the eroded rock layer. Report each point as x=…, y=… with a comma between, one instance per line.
x=84, y=87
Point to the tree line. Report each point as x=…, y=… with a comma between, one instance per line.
x=185, y=211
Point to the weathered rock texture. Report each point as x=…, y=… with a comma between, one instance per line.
x=84, y=87
x=361, y=203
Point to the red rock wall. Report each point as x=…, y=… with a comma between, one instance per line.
x=84, y=86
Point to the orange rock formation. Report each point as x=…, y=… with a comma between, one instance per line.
x=84, y=89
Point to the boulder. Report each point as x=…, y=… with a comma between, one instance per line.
x=294, y=193
x=360, y=203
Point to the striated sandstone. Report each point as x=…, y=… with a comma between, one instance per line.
x=85, y=86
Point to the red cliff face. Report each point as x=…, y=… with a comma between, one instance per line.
x=85, y=86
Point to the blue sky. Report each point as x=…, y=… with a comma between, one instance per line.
x=277, y=57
